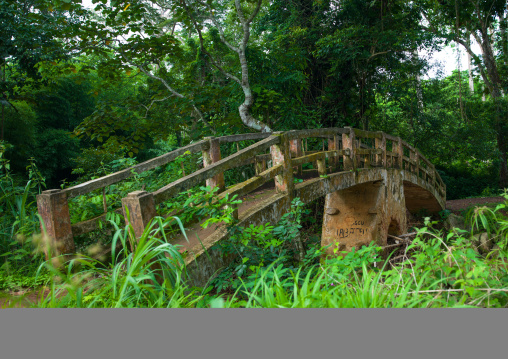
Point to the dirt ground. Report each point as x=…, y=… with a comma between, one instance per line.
x=21, y=299
x=458, y=205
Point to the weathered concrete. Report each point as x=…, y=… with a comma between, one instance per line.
x=420, y=199
x=211, y=156
x=202, y=266
x=260, y=163
x=91, y=224
x=244, y=137
x=141, y=208
x=348, y=143
x=253, y=183
x=363, y=213
x=54, y=211
x=381, y=201
x=381, y=145
x=334, y=145
x=92, y=185
x=281, y=155
x=203, y=174
x=296, y=151
x=421, y=184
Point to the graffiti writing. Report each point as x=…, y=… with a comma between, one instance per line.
x=346, y=232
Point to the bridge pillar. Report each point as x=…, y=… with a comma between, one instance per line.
x=349, y=143
x=415, y=165
x=281, y=154
x=141, y=206
x=334, y=145
x=260, y=165
x=400, y=154
x=295, y=147
x=380, y=144
x=367, y=212
x=54, y=210
x=211, y=156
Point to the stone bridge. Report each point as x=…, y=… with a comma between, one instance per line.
x=369, y=180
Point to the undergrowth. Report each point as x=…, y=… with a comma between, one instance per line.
x=276, y=265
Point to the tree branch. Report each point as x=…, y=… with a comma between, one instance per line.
x=476, y=59
x=377, y=54
x=166, y=85
x=239, y=12
x=202, y=45
x=151, y=104
x=458, y=40
x=254, y=14
x=216, y=24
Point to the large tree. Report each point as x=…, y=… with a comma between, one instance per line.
x=457, y=21
x=151, y=36
x=30, y=32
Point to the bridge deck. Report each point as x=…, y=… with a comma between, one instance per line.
x=196, y=233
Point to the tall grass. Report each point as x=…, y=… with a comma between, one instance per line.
x=147, y=272
x=441, y=269
x=491, y=220
x=442, y=272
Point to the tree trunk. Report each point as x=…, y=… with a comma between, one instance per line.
x=3, y=118
x=244, y=109
x=503, y=169
x=469, y=69
x=496, y=94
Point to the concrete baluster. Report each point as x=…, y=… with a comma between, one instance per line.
x=333, y=145
x=400, y=152
x=349, y=144
x=321, y=165
x=416, y=159
x=54, y=211
x=296, y=151
x=367, y=163
x=211, y=156
x=260, y=165
x=432, y=171
x=141, y=208
x=380, y=143
x=281, y=154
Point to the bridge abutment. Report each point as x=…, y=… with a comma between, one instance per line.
x=363, y=213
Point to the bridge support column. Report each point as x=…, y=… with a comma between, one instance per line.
x=281, y=154
x=367, y=212
x=415, y=158
x=141, y=207
x=333, y=145
x=349, y=143
x=296, y=151
x=400, y=154
x=211, y=156
x=54, y=210
x=260, y=165
x=380, y=144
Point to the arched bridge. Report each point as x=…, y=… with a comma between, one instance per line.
x=369, y=180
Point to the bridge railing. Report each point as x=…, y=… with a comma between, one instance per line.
x=343, y=149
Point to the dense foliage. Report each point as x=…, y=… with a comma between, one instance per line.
x=85, y=92
x=440, y=269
